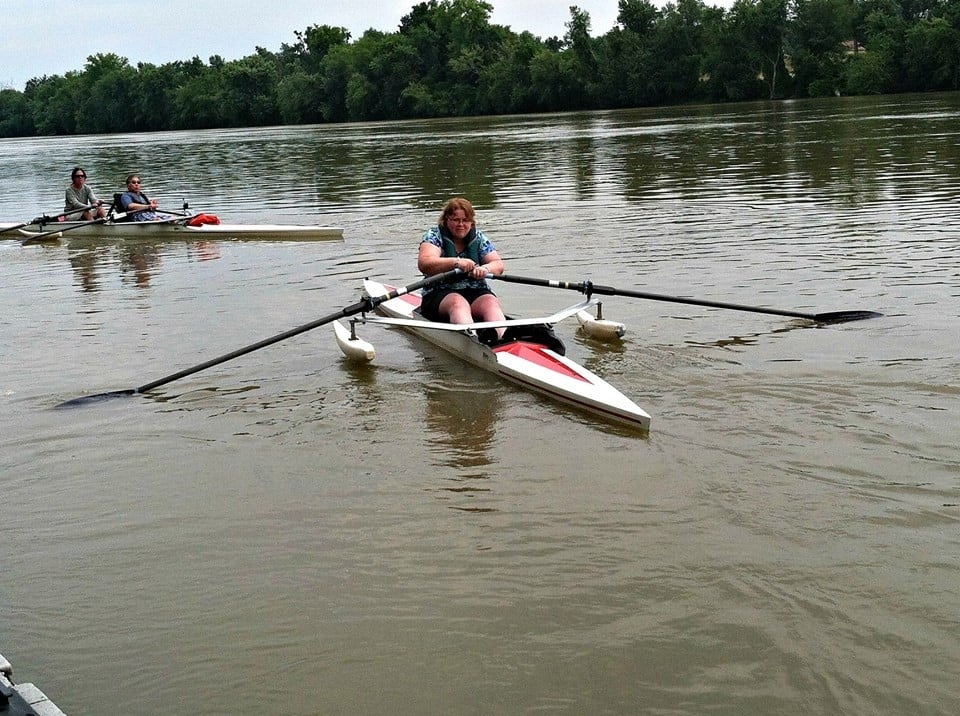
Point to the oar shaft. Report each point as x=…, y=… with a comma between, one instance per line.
x=590, y=288
x=348, y=311
x=367, y=304
x=46, y=219
x=609, y=291
x=57, y=232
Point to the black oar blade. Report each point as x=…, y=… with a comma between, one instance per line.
x=99, y=397
x=846, y=316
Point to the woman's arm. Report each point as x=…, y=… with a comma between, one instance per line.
x=492, y=263
x=430, y=262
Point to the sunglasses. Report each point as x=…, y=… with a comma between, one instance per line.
x=79, y=176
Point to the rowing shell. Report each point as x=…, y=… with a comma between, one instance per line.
x=153, y=230
x=527, y=361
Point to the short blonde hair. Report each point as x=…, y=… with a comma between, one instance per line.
x=457, y=203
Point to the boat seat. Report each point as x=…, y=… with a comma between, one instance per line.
x=117, y=207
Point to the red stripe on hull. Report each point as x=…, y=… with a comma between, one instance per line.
x=536, y=353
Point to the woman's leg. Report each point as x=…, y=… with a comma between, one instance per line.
x=455, y=309
x=487, y=308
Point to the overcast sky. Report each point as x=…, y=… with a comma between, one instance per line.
x=55, y=36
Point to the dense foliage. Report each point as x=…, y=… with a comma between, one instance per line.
x=446, y=59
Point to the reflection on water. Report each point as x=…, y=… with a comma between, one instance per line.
x=84, y=264
x=463, y=418
x=140, y=264
x=136, y=262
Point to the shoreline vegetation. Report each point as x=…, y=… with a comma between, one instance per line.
x=447, y=60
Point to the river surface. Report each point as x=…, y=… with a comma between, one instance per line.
x=288, y=533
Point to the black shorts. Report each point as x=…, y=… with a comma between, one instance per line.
x=430, y=306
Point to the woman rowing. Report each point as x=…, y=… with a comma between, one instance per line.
x=79, y=198
x=456, y=243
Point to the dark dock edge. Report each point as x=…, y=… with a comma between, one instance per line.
x=22, y=699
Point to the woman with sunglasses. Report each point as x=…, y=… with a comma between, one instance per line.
x=80, y=197
x=136, y=204
x=456, y=243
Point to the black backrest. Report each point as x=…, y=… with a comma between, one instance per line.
x=117, y=206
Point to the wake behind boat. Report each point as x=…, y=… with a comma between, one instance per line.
x=530, y=355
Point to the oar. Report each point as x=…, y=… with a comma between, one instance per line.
x=589, y=288
x=44, y=219
x=366, y=305
x=48, y=234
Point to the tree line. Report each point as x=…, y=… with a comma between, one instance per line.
x=446, y=59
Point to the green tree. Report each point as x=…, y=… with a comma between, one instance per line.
x=637, y=16
x=879, y=68
x=249, y=90
x=392, y=70
x=815, y=40
x=678, y=46
x=447, y=59
x=198, y=101
x=555, y=85
x=932, y=55
x=155, y=108
x=627, y=56
x=52, y=102
x=731, y=68
x=300, y=99
x=335, y=72
x=583, y=54
x=761, y=26
x=506, y=84
x=15, y=119
x=453, y=41
x=313, y=44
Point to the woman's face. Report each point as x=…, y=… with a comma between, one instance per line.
x=458, y=224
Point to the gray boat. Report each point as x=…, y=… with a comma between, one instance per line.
x=22, y=699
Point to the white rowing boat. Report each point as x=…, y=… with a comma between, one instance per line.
x=533, y=360
x=177, y=229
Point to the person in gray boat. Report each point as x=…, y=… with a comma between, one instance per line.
x=80, y=197
x=456, y=243
x=136, y=204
